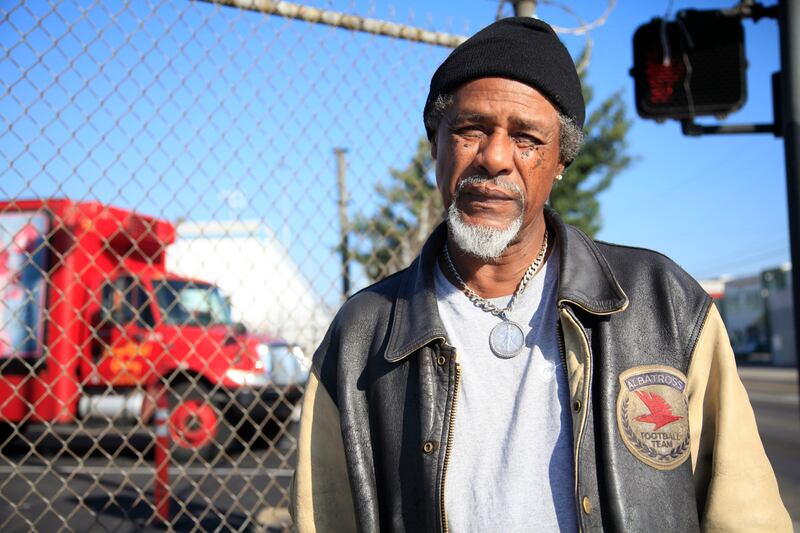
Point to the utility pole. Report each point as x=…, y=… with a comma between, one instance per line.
x=524, y=8
x=344, y=224
x=789, y=25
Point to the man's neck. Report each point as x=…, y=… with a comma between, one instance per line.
x=499, y=277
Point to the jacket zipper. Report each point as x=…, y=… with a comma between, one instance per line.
x=561, y=349
x=448, y=447
x=586, y=385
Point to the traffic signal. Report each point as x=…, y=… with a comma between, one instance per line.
x=692, y=66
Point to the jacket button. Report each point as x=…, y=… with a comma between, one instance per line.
x=428, y=447
x=441, y=360
x=587, y=505
x=577, y=405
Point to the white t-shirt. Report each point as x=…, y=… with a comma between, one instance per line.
x=511, y=465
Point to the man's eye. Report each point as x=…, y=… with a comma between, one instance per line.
x=467, y=131
x=527, y=140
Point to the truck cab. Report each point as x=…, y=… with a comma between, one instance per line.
x=97, y=328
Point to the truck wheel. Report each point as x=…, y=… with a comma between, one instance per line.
x=197, y=427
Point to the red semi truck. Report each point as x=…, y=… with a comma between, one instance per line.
x=92, y=324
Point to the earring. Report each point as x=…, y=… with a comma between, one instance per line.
x=559, y=177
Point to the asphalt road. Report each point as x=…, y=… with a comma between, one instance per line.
x=773, y=395
x=104, y=485
x=107, y=485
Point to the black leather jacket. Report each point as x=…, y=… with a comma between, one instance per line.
x=382, y=396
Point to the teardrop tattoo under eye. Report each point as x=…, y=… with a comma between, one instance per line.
x=527, y=152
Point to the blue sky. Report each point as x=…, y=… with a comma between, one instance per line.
x=192, y=111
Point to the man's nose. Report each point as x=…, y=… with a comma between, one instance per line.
x=496, y=154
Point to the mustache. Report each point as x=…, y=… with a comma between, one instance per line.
x=496, y=182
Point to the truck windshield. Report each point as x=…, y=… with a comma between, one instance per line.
x=23, y=263
x=191, y=303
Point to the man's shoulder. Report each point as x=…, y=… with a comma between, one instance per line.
x=371, y=302
x=663, y=299
x=633, y=265
x=359, y=328
x=644, y=257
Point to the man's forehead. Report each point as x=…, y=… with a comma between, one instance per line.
x=526, y=121
x=485, y=99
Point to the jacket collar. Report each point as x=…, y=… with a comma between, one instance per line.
x=585, y=277
x=585, y=280
x=416, y=321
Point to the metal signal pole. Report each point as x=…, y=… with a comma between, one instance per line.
x=789, y=24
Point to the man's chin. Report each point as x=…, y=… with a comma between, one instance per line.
x=483, y=221
x=493, y=219
x=487, y=224
x=487, y=240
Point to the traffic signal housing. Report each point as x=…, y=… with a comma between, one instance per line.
x=692, y=66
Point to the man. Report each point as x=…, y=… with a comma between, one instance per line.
x=518, y=376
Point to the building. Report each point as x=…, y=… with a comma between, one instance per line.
x=714, y=287
x=759, y=315
x=777, y=287
x=267, y=291
x=744, y=311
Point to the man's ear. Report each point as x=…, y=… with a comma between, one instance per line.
x=433, y=147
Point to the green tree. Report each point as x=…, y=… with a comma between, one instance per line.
x=411, y=207
x=409, y=210
x=602, y=157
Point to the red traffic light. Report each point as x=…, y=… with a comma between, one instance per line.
x=690, y=67
x=663, y=78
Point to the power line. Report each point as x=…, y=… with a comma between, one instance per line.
x=771, y=246
x=707, y=173
x=746, y=260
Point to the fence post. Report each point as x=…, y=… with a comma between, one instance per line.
x=161, y=489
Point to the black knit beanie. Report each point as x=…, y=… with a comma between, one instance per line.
x=523, y=49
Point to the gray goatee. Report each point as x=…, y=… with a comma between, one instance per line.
x=483, y=242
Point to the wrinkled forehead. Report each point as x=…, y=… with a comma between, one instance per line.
x=519, y=105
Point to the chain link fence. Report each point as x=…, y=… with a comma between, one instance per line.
x=171, y=207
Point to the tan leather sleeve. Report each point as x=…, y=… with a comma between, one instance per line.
x=735, y=485
x=321, y=498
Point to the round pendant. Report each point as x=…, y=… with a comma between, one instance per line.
x=506, y=339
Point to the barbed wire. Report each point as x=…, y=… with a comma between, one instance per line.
x=411, y=33
x=583, y=28
x=342, y=20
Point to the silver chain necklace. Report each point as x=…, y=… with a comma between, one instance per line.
x=506, y=338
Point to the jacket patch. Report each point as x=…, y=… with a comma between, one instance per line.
x=653, y=415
